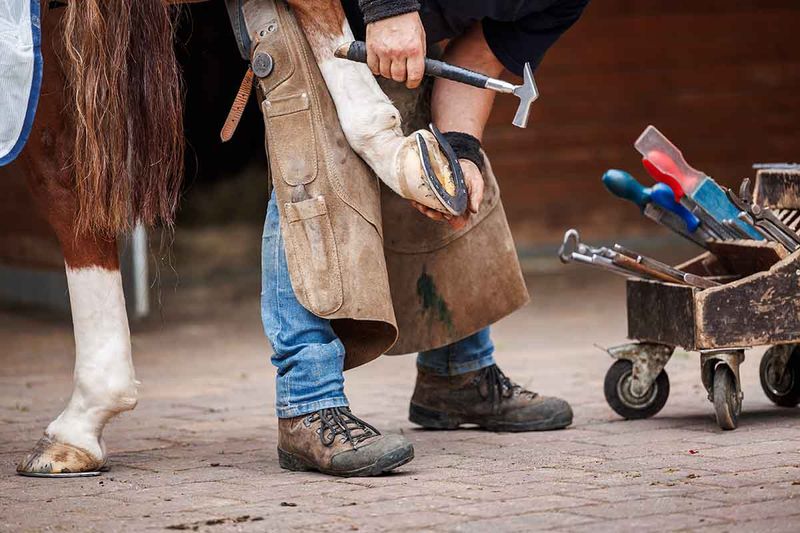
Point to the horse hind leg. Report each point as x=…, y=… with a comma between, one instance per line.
x=369, y=120
x=104, y=381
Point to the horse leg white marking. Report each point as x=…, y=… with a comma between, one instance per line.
x=372, y=125
x=105, y=384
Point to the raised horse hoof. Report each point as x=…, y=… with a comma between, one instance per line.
x=54, y=459
x=442, y=175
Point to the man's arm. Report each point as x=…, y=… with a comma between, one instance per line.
x=395, y=39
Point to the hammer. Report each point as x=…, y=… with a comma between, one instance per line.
x=527, y=92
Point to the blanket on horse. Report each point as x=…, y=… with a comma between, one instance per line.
x=20, y=73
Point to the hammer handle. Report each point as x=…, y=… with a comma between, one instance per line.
x=357, y=51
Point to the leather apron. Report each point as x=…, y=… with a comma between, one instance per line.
x=409, y=285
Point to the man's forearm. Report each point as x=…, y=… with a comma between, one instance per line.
x=459, y=107
x=382, y=9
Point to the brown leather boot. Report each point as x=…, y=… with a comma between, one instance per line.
x=486, y=398
x=333, y=441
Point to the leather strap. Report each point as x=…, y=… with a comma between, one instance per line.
x=237, y=109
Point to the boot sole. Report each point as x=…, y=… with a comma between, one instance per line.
x=385, y=463
x=431, y=419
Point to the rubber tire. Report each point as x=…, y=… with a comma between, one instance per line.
x=791, y=397
x=727, y=407
x=616, y=375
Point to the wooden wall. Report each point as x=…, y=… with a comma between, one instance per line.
x=721, y=79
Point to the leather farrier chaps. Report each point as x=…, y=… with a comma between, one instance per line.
x=410, y=285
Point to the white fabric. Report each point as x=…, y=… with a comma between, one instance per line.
x=18, y=58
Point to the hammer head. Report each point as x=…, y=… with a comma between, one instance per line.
x=527, y=94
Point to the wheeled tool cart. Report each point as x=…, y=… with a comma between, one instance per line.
x=742, y=292
x=754, y=304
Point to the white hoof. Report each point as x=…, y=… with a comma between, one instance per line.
x=50, y=458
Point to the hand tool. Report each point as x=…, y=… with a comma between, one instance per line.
x=734, y=227
x=663, y=196
x=711, y=223
x=636, y=266
x=625, y=262
x=670, y=220
x=596, y=260
x=572, y=243
x=763, y=218
x=765, y=234
x=527, y=92
x=690, y=279
x=759, y=212
x=623, y=185
x=666, y=163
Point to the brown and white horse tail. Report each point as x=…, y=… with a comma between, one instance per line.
x=124, y=90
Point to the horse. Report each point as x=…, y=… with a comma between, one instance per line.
x=106, y=152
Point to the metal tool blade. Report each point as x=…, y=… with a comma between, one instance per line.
x=673, y=222
x=734, y=227
x=711, y=224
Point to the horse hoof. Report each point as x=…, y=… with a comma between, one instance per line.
x=55, y=459
x=429, y=176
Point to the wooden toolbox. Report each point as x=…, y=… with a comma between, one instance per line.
x=757, y=303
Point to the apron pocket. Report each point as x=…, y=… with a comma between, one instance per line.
x=290, y=133
x=310, y=235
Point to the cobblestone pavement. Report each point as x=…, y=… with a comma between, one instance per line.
x=198, y=453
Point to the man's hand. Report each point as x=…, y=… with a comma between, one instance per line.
x=474, y=182
x=396, y=48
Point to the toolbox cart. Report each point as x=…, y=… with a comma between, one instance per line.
x=756, y=304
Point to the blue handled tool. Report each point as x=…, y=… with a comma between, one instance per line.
x=665, y=163
x=622, y=184
x=661, y=194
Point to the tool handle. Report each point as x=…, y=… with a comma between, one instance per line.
x=357, y=51
x=621, y=184
x=662, y=195
x=635, y=266
x=665, y=156
x=663, y=177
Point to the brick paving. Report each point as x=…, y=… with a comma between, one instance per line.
x=198, y=453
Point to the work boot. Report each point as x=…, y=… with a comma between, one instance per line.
x=486, y=398
x=335, y=442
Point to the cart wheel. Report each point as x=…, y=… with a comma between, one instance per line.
x=617, y=388
x=781, y=390
x=727, y=404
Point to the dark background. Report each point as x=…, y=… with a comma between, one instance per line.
x=719, y=78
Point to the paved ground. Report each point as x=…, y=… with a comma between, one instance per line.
x=199, y=451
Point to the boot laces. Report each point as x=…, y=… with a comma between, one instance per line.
x=338, y=421
x=499, y=386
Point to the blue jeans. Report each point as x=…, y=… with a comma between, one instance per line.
x=308, y=355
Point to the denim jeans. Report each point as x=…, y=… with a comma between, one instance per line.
x=308, y=355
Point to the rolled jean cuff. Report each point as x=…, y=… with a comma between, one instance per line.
x=311, y=407
x=455, y=369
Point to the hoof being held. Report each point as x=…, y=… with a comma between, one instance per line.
x=55, y=459
x=430, y=175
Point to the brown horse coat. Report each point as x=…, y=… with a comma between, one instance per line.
x=358, y=254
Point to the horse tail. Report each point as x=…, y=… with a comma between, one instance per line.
x=125, y=94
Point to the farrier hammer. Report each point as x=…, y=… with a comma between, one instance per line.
x=527, y=92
